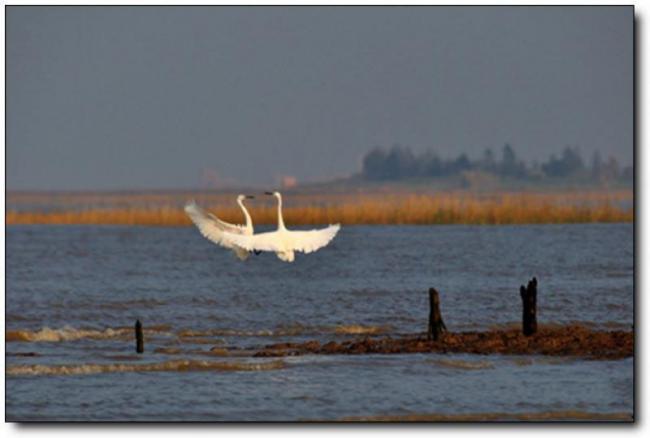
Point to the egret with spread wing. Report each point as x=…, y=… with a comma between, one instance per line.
x=282, y=241
x=214, y=229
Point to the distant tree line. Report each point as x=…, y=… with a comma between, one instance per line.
x=398, y=163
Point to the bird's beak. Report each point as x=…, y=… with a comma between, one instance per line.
x=268, y=193
x=250, y=197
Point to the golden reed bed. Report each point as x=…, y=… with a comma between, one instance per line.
x=347, y=209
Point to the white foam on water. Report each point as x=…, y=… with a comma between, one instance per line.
x=68, y=333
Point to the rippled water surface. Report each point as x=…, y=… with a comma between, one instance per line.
x=73, y=294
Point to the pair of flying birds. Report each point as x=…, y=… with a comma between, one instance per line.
x=242, y=240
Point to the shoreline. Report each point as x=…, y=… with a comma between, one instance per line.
x=578, y=340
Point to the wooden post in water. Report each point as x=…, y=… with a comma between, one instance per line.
x=529, y=300
x=436, y=324
x=139, y=339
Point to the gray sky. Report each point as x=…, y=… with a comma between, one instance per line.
x=152, y=97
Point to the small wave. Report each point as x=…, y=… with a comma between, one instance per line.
x=169, y=366
x=187, y=333
x=555, y=360
x=168, y=350
x=194, y=340
x=154, y=328
x=354, y=329
x=293, y=330
x=122, y=357
x=214, y=351
x=47, y=334
x=463, y=364
x=522, y=361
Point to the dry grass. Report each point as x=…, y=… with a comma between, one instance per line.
x=347, y=209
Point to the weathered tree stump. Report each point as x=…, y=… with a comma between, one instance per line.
x=529, y=300
x=139, y=338
x=436, y=324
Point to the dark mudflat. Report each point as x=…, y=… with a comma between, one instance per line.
x=568, y=340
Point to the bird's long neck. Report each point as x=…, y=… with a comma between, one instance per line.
x=249, y=221
x=280, y=219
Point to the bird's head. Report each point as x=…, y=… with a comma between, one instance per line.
x=276, y=194
x=240, y=198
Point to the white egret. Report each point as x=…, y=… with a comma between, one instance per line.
x=284, y=242
x=213, y=228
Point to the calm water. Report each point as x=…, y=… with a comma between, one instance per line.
x=73, y=294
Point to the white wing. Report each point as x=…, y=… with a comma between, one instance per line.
x=269, y=241
x=231, y=228
x=280, y=241
x=209, y=225
x=197, y=214
x=310, y=241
